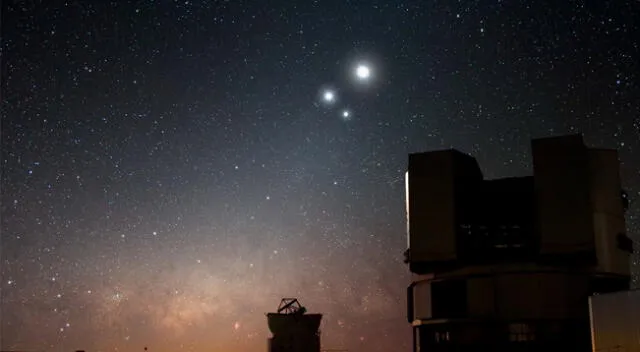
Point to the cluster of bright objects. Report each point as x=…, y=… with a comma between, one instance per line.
x=362, y=73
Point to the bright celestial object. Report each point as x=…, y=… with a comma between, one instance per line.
x=363, y=72
x=346, y=114
x=329, y=96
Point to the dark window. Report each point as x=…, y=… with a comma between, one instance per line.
x=520, y=332
x=442, y=337
x=608, y=284
x=449, y=299
x=429, y=337
x=479, y=243
x=495, y=222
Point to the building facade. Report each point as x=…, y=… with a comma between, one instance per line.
x=509, y=264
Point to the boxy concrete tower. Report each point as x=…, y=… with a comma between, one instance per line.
x=509, y=264
x=293, y=330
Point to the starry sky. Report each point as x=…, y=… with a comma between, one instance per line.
x=171, y=169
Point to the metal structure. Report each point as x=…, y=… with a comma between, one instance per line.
x=293, y=329
x=291, y=306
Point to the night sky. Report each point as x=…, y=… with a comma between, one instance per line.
x=171, y=169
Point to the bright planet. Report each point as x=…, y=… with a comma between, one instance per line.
x=329, y=96
x=363, y=72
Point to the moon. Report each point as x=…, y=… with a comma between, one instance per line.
x=363, y=72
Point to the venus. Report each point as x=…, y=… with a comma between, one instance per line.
x=363, y=72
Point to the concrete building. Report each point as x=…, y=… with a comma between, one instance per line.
x=293, y=329
x=509, y=264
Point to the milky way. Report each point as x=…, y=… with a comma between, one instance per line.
x=171, y=170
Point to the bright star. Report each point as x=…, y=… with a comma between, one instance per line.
x=346, y=114
x=329, y=96
x=363, y=72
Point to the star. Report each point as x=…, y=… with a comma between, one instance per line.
x=346, y=115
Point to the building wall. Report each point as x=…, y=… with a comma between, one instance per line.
x=432, y=200
x=508, y=295
x=507, y=311
x=476, y=291
x=608, y=212
x=574, y=216
x=561, y=169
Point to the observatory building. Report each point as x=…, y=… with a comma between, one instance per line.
x=509, y=264
x=293, y=330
